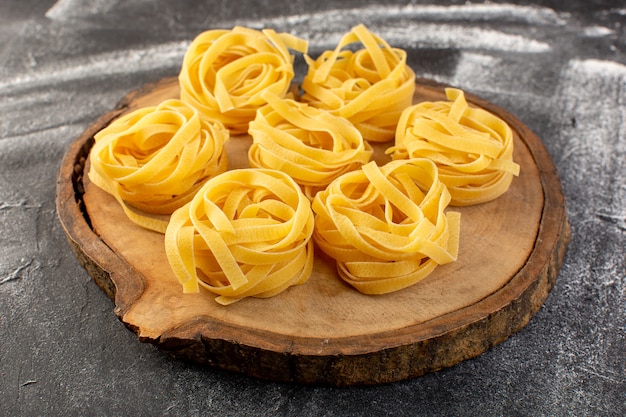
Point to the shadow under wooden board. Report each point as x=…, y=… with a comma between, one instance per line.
x=325, y=332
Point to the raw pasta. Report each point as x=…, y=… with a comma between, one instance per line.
x=224, y=72
x=473, y=149
x=154, y=159
x=311, y=145
x=385, y=226
x=370, y=87
x=247, y=232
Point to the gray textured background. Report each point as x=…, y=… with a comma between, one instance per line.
x=561, y=69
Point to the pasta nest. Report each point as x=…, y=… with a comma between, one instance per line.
x=386, y=226
x=224, y=72
x=154, y=159
x=472, y=148
x=247, y=232
x=370, y=86
x=311, y=145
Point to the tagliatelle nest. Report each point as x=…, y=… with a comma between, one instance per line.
x=224, y=72
x=386, y=226
x=154, y=159
x=472, y=148
x=370, y=87
x=311, y=145
x=247, y=232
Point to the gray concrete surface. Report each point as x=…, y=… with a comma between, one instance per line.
x=560, y=68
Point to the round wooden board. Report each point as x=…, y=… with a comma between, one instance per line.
x=325, y=332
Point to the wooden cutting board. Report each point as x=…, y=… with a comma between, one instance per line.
x=325, y=332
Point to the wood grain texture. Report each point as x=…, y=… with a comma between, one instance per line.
x=324, y=332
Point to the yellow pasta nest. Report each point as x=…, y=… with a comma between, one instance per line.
x=224, y=72
x=386, y=226
x=311, y=145
x=247, y=232
x=473, y=149
x=370, y=87
x=154, y=159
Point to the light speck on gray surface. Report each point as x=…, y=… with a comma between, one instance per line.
x=559, y=68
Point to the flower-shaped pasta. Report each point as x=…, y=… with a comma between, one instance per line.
x=154, y=159
x=473, y=149
x=224, y=72
x=311, y=145
x=386, y=226
x=370, y=87
x=247, y=232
